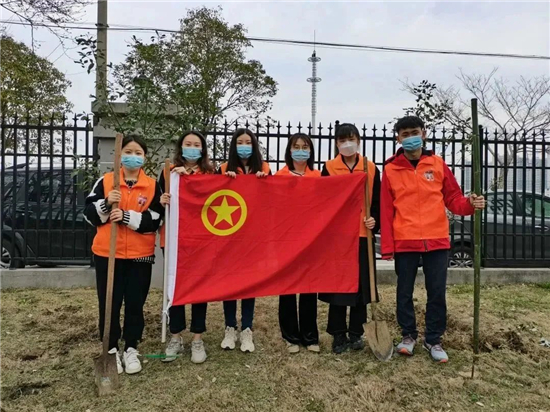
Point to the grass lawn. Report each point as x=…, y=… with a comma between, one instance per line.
x=49, y=339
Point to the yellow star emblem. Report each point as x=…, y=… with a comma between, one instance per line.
x=223, y=212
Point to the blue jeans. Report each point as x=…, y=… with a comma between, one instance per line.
x=247, y=313
x=435, y=272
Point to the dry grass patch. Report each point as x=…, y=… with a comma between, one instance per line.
x=49, y=338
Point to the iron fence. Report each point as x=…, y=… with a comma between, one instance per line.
x=47, y=167
x=515, y=181
x=45, y=170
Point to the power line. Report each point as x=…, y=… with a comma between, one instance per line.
x=305, y=42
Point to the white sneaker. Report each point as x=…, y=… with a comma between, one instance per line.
x=119, y=367
x=131, y=362
x=174, y=348
x=198, y=354
x=314, y=348
x=230, y=338
x=247, y=344
x=292, y=347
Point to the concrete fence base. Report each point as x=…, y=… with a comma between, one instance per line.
x=76, y=277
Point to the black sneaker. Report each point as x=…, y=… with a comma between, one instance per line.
x=356, y=342
x=340, y=343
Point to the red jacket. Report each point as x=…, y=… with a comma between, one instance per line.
x=413, y=204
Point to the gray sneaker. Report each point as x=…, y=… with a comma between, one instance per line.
x=198, y=354
x=437, y=353
x=406, y=346
x=173, y=349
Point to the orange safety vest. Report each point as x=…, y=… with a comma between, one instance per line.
x=130, y=244
x=418, y=199
x=337, y=166
x=265, y=168
x=285, y=171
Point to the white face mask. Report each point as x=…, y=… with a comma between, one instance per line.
x=348, y=148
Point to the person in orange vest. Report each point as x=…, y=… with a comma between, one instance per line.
x=417, y=188
x=138, y=217
x=190, y=158
x=299, y=158
x=348, y=160
x=244, y=158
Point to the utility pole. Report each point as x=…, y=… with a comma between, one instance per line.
x=101, y=58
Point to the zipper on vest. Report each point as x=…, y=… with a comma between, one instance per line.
x=420, y=214
x=425, y=245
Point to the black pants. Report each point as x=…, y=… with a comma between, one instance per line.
x=435, y=272
x=337, y=323
x=306, y=331
x=131, y=286
x=198, y=318
x=247, y=313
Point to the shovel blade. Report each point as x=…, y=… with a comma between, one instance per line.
x=379, y=339
x=106, y=374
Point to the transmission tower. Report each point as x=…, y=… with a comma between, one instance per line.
x=313, y=80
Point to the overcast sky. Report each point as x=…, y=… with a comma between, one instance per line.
x=357, y=86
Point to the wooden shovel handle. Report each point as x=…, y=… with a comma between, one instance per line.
x=112, y=251
x=369, y=234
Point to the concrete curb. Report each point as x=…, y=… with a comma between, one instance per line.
x=76, y=277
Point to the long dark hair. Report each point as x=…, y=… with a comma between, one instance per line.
x=204, y=163
x=255, y=162
x=134, y=138
x=288, y=155
x=345, y=130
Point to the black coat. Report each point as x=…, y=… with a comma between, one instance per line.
x=362, y=297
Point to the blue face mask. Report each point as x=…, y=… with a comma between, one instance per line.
x=410, y=144
x=191, y=153
x=300, y=155
x=244, y=152
x=132, y=162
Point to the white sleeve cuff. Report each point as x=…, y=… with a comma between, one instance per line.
x=132, y=219
x=102, y=210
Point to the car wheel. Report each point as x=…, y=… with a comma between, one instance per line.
x=462, y=256
x=5, y=260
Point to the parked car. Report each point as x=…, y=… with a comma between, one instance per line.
x=42, y=220
x=516, y=229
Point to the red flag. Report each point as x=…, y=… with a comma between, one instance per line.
x=249, y=237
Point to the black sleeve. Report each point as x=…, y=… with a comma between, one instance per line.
x=161, y=180
x=148, y=221
x=375, y=201
x=325, y=172
x=96, y=211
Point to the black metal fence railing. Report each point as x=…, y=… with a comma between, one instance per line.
x=44, y=167
x=515, y=181
x=46, y=170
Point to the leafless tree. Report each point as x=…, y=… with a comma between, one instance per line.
x=510, y=110
x=50, y=14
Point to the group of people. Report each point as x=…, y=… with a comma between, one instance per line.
x=408, y=205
